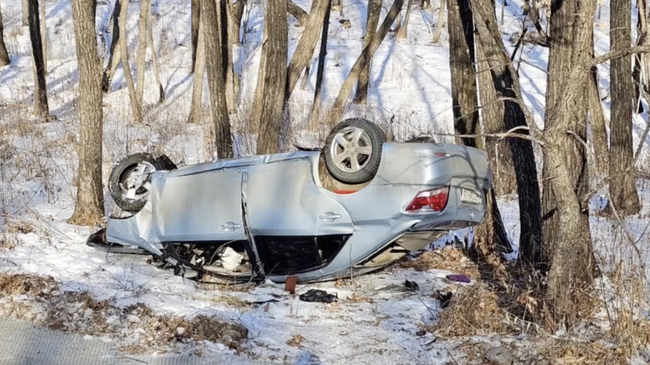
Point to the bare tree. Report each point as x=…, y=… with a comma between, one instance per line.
x=441, y=22
x=362, y=60
x=570, y=255
x=597, y=121
x=640, y=61
x=227, y=57
x=235, y=13
x=142, y=50
x=124, y=53
x=199, y=74
x=89, y=208
x=320, y=70
x=214, y=67
x=622, y=189
x=402, y=31
x=297, y=12
x=154, y=58
x=506, y=85
x=114, y=57
x=490, y=235
x=196, y=14
x=4, y=56
x=491, y=111
x=41, y=107
x=25, y=13
x=43, y=35
x=372, y=19
x=275, y=74
x=305, y=49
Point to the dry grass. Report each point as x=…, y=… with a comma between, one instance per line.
x=447, y=258
x=38, y=298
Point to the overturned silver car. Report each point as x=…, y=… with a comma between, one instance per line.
x=353, y=207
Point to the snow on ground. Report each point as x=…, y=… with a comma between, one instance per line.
x=375, y=320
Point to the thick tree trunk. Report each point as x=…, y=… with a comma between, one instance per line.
x=114, y=57
x=142, y=50
x=199, y=74
x=490, y=235
x=226, y=51
x=320, y=70
x=43, y=35
x=214, y=67
x=567, y=237
x=25, y=12
x=136, y=110
x=597, y=122
x=194, y=31
x=372, y=19
x=305, y=49
x=89, y=208
x=4, y=56
x=268, y=140
x=154, y=58
x=403, y=30
x=362, y=60
x=622, y=189
x=297, y=12
x=256, y=109
x=236, y=11
x=41, y=108
x=463, y=75
x=441, y=20
x=491, y=110
x=561, y=61
x=506, y=85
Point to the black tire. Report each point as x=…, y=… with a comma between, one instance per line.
x=339, y=159
x=118, y=179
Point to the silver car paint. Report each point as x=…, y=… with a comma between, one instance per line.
x=283, y=194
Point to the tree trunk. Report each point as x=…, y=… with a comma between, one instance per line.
x=504, y=181
x=154, y=59
x=25, y=13
x=639, y=76
x=622, y=189
x=463, y=75
x=402, y=32
x=89, y=208
x=4, y=56
x=136, y=110
x=256, y=110
x=114, y=58
x=567, y=237
x=364, y=57
x=41, y=109
x=195, y=16
x=199, y=74
x=142, y=50
x=236, y=11
x=441, y=19
x=490, y=235
x=320, y=70
x=214, y=67
x=506, y=86
x=226, y=51
x=372, y=19
x=43, y=35
x=305, y=49
x=297, y=12
x=268, y=140
x=597, y=121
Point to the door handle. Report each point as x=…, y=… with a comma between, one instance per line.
x=329, y=216
x=230, y=226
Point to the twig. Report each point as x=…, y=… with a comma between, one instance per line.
x=509, y=134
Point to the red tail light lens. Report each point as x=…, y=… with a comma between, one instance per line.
x=433, y=200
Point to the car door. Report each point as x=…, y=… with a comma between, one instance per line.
x=283, y=200
x=204, y=206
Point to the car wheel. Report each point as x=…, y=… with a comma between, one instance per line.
x=353, y=151
x=130, y=181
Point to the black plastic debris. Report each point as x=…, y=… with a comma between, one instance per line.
x=316, y=295
x=443, y=297
x=411, y=285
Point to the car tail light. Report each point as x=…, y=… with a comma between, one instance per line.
x=433, y=200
